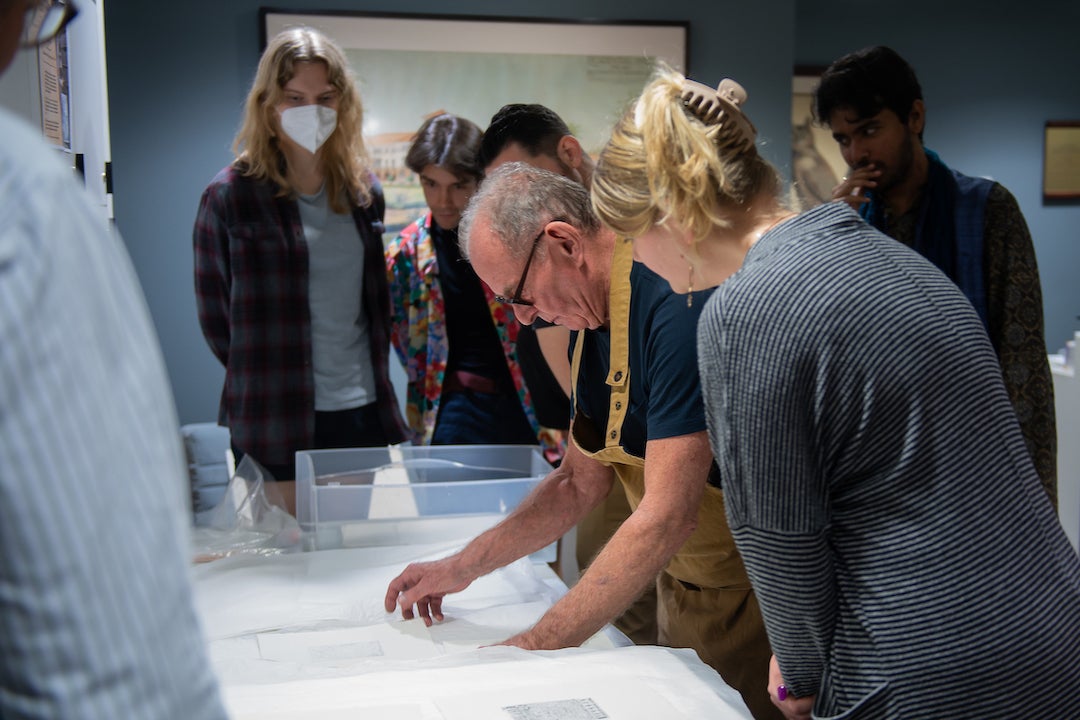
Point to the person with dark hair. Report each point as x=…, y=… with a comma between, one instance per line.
x=289, y=279
x=458, y=344
x=536, y=135
x=971, y=228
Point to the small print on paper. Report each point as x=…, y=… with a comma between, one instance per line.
x=576, y=709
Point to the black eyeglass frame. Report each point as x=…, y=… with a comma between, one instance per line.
x=69, y=13
x=516, y=299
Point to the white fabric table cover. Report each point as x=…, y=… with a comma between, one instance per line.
x=305, y=634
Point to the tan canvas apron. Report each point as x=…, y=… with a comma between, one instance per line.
x=705, y=600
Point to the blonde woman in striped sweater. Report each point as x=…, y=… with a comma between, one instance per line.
x=907, y=561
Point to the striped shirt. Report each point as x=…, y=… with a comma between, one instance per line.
x=96, y=612
x=907, y=561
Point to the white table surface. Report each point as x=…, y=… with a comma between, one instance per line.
x=306, y=633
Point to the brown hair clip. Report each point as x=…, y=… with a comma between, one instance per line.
x=721, y=106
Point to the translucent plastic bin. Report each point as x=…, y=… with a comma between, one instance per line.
x=363, y=497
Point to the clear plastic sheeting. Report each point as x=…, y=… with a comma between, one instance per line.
x=250, y=519
x=241, y=595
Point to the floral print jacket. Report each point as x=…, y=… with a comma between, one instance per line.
x=418, y=335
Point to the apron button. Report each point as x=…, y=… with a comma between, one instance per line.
x=614, y=434
x=618, y=376
x=618, y=405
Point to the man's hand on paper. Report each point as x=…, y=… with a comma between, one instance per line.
x=527, y=640
x=424, y=584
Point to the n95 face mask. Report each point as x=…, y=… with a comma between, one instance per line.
x=309, y=125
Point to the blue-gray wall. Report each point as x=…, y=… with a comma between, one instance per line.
x=178, y=73
x=992, y=73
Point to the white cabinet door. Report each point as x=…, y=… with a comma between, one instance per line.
x=89, y=104
x=1067, y=401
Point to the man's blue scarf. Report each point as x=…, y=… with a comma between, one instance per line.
x=935, y=230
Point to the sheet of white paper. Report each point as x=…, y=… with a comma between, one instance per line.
x=632, y=682
x=405, y=640
x=369, y=712
x=615, y=697
x=246, y=593
x=397, y=501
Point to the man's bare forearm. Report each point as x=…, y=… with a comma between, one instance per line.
x=624, y=568
x=676, y=471
x=557, y=504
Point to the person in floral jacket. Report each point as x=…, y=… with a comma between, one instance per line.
x=457, y=342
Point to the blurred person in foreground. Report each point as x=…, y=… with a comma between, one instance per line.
x=97, y=618
x=907, y=560
x=638, y=421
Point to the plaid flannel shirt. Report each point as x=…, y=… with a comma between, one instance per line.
x=251, y=289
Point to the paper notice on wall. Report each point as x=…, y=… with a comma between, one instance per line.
x=55, y=93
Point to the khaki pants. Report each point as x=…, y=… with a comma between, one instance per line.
x=725, y=628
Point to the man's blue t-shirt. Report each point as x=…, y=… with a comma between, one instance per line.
x=665, y=392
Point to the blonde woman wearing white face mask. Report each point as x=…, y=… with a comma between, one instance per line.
x=289, y=274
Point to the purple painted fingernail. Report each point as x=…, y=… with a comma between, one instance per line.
x=781, y=693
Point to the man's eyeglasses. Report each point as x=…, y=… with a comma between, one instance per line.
x=45, y=20
x=515, y=299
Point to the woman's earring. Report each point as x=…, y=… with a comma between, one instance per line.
x=690, y=288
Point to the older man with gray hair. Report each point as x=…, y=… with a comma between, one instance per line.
x=532, y=236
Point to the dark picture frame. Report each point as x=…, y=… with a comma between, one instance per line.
x=1061, y=160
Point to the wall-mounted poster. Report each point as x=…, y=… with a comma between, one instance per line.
x=53, y=82
x=1061, y=160
x=409, y=67
x=816, y=163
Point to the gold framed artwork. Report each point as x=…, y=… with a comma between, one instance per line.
x=1061, y=160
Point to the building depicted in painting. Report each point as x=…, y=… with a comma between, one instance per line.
x=401, y=186
x=388, y=152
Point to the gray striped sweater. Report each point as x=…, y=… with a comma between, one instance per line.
x=907, y=561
